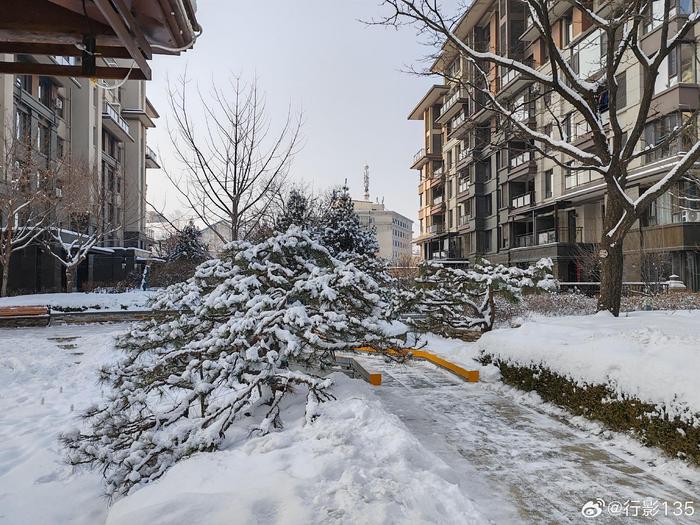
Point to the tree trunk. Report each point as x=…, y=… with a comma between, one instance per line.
x=70, y=279
x=611, y=280
x=611, y=259
x=5, y=279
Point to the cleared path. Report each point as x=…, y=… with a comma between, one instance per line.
x=524, y=465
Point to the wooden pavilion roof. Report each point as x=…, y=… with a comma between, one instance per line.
x=91, y=29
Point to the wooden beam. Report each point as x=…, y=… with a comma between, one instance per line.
x=34, y=37
x=167, y=10
x=41, y=16
x=65, y=50
x=32, y=68
x=117, y=24
x=135, y=28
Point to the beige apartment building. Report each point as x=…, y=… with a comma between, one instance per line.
x=483, y=193
x=394, y=231
x=102, y=123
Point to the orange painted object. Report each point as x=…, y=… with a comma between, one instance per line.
x=23, y=311
x=375, y=379
x=471, y=376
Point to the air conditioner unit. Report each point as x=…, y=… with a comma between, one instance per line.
x=690, y=216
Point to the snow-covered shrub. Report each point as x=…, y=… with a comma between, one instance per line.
x=548, y=305
x=456, y=301
x=255, y=324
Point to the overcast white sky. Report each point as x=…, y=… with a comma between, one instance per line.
x=346, y=77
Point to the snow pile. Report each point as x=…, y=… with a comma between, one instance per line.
x=651, y=356
x=355, y=464
x=78, y=301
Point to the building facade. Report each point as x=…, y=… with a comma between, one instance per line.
x=484, y=193
x=394, y=231
x=103, y=125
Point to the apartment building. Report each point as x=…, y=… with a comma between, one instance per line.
x=104, y=125
x=394, y=231
x=485, y=193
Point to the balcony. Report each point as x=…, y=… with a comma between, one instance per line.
x=463, y=186
x=551, y=236
x=422, y=157
x=526, y=199
x=457, y=122
x=435, y=229
x=451, y=106
x=151, y=159
x=113, y=121
x=463, y=220
x=518, y=159
x=438, y=200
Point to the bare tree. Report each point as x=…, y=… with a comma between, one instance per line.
x=80, y=217
x=23, y=213
x=233, y=166
x=613, y=151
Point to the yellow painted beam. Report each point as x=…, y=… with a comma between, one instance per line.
x=471, y=376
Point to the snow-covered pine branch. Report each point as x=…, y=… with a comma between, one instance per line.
x=456, y=301
x=254, y=326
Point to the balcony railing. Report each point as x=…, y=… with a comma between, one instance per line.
x=438, y=200
x=109, y=111
x=438, y=172
x=452, y=100
x=458, y=121
x=507, y=75
x=566, y=235
x=151, y=154
x=464, y=154
x=435, y=228
x=525, y=199
x=523, y=241
x=419, y=155
x=519, y=159
x=463, y=220
x=463, y=185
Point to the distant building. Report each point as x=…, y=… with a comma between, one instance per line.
x=211, y=237
x=394, y=231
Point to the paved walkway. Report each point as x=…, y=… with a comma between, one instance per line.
x=524, y=465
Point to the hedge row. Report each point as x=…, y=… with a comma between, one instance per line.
x=600, y=402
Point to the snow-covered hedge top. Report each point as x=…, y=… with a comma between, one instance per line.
x=651, y=356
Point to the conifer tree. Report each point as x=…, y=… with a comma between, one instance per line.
x=253, y=326
x=189, y=245
x=341, y=230
x=298, y=210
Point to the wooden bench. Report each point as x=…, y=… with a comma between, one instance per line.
x=14, y=316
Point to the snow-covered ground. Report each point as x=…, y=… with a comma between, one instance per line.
x=132, y=300
x=355, y=464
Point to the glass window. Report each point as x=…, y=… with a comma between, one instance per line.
x=548, y=183
x=687, y=52
x=621, y=80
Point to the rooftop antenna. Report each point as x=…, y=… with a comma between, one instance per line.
x=366, y=182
